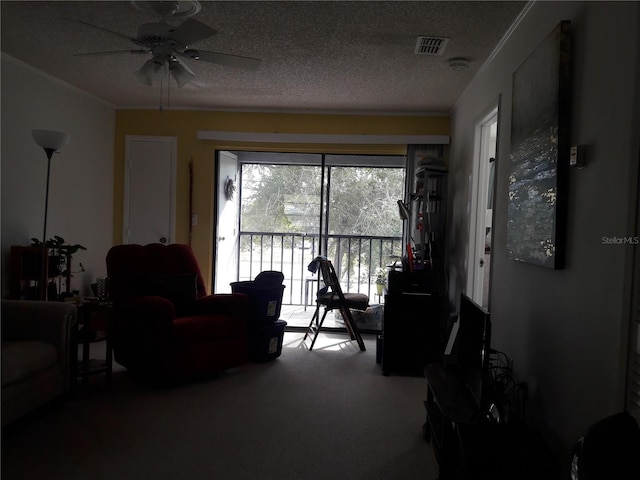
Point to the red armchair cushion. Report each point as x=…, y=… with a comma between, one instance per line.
x=194, y=328
x=181, y=289
x=129, y=265
x=166, y=327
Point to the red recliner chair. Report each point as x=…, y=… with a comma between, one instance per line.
x=166, y=327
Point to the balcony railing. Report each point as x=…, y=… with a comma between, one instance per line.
x=355, y=258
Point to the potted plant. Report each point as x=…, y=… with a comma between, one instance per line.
x=60, y=253
x=381, y=280
x=59, y=258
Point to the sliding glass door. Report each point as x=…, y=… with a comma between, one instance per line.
x=294, y=207
x=362, y=230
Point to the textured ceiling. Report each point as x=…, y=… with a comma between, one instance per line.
x=334, y=56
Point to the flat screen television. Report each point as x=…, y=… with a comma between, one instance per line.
x=470, y=337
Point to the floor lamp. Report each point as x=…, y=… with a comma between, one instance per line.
x=51, y=141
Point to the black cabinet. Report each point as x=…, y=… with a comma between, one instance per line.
x=410, y=332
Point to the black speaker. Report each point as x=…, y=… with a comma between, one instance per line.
x=418, y=281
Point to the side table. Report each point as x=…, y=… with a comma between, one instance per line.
x=95, y=318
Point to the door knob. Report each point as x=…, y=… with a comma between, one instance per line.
x=482, y=263
x=163, y=240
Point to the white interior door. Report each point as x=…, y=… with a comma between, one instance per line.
x=149, y=190
x=481, y=234
x=227, y=201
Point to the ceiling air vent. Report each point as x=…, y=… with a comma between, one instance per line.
x=430, y=45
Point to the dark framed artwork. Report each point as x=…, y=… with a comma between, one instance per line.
x=539, y=156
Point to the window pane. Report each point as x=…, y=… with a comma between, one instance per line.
x=280, y=198
x=363, y=201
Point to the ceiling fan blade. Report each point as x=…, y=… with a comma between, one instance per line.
x=109, y=52
x=246, y=63
x=191, y=31
x=121, y=35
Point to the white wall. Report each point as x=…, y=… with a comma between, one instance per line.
x=564, y=329
x=81, y=184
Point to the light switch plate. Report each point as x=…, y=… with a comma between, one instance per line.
x=577, y=156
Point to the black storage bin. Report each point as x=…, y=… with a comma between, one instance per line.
x=265, y=342
x=265, y=296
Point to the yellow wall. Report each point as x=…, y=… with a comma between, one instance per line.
x=184, y=125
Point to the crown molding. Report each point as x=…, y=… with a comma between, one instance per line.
x=358, y=139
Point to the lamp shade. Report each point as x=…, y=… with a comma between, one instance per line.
x=50, y=139
x=153, y=69
x=181, y=73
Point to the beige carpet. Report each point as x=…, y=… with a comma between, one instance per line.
x=324, y=414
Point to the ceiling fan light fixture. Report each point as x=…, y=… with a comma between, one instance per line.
x=181, y=73
x=159, y=66
x=142, y=77
x=153, y=69
x=167, y=43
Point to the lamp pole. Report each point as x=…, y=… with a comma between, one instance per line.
x=45, y=254
x=50, y=141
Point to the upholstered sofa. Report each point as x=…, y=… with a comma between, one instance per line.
x=36, y=355
x=166, y=327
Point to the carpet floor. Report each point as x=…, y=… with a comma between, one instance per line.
x=324, y=414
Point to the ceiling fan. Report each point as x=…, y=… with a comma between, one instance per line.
x=168, y=45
